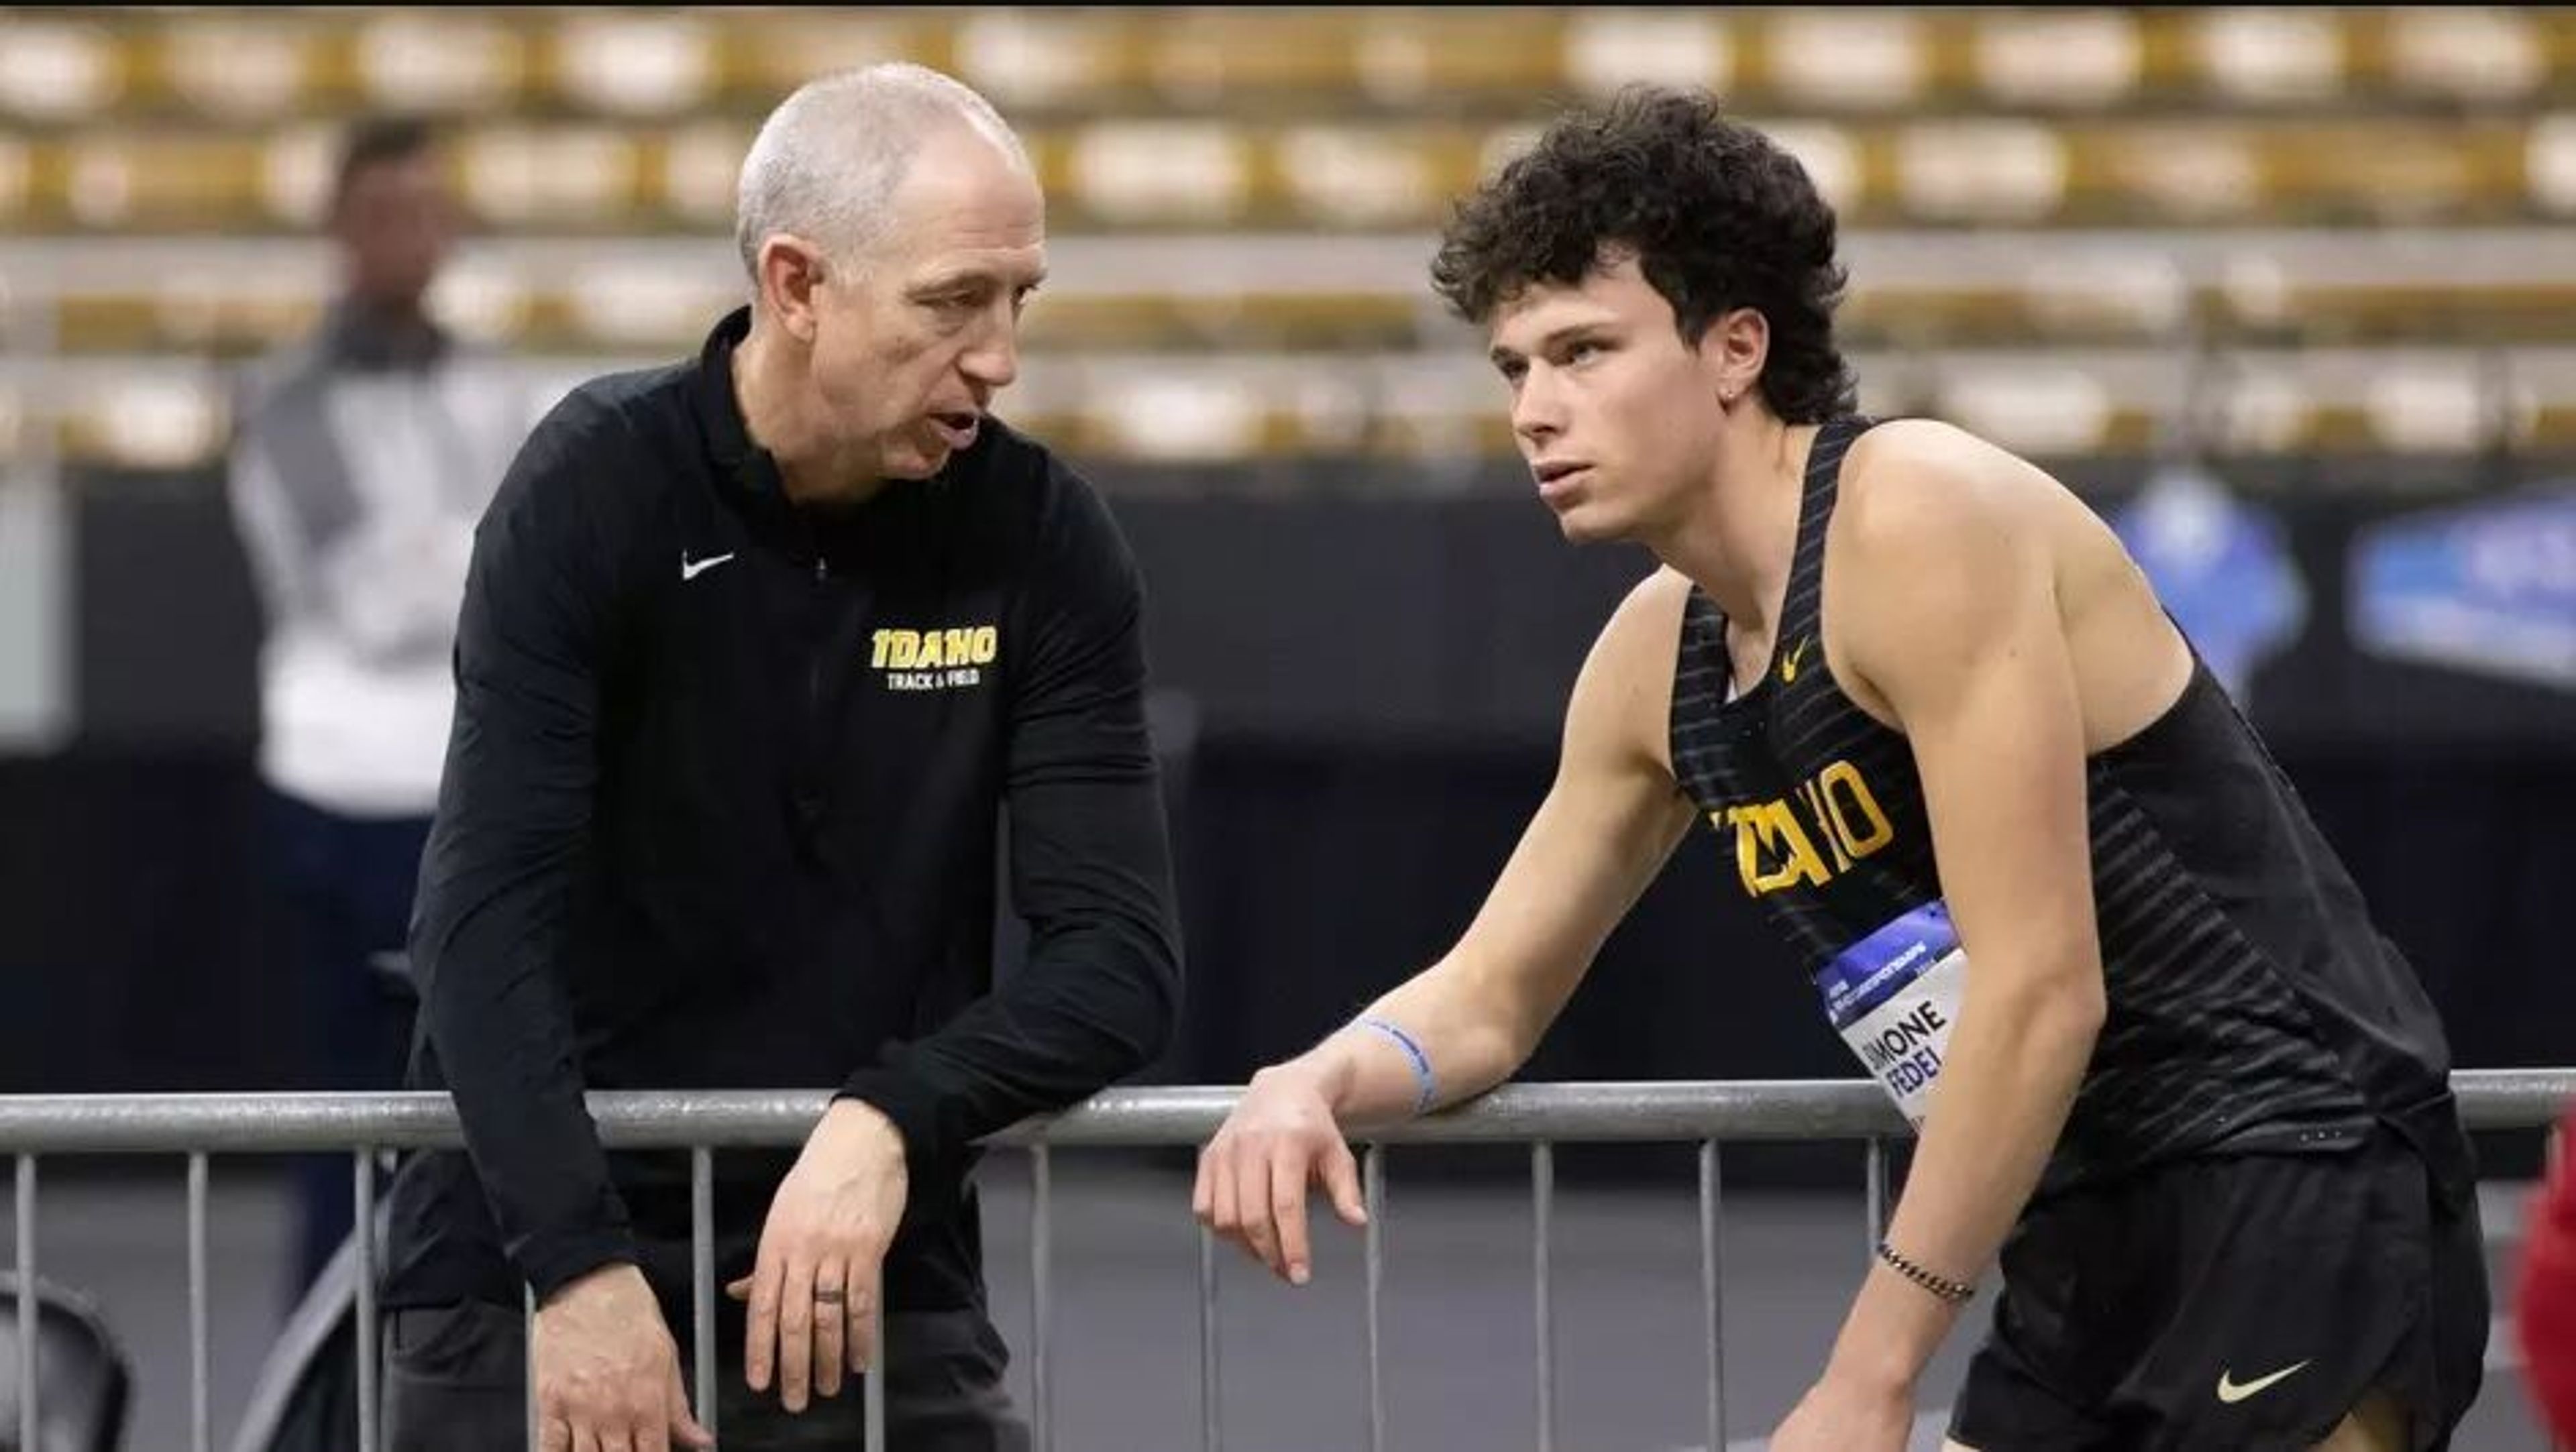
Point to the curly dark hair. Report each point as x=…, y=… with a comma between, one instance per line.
x=1718, y=215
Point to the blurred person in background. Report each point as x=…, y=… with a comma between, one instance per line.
x=2545, y=1300
x=755, y=650
x=2052, y=888
x=361, y=460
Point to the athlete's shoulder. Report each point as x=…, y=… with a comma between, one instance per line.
x=1623, y=699
x=1914, y=489
x=1646, y=628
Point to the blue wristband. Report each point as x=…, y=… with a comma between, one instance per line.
x=1422, y=1075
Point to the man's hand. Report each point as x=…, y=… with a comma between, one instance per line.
x=608, y=1374
x=1252, y=1176
x=814, y=1287
x=1846, y=1416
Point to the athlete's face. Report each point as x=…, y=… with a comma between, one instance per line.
x=911, y=340
x=1618, y=417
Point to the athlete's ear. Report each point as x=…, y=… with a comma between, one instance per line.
x=1734, y=349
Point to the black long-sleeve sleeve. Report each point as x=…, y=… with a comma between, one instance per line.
x=1090, y=868
x=514, y=821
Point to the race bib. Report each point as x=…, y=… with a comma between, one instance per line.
x=1893, y=996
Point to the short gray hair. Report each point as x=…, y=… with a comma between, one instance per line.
x=826, y=163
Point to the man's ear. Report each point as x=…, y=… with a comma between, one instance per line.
x=788, y=272
x=1735, y=347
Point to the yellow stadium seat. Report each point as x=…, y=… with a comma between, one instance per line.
x=1605, y=49
x=1982, y=170
x=1161, y=171
x=551, y=175
x=1250, y=59
x=1860, y=59
x=235, y=69
x=767, y=54
x=437, y=61
x=631, y=64
x=59, y=70
x=17, y=178
x=2271, y=55
x=698, y=171
x=2466, y=53
x=1438, y=60
x=1047, y=58
x=2549, y=163
x=2058, y=58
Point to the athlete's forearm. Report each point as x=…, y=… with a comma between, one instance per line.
x=1432, y=1041
x=2016, y=1058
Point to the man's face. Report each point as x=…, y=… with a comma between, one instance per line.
x=1617, y=416
x=913, y=339
x=395, y=223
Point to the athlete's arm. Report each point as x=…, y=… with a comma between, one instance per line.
x=1609, y=822
x=1947, y=595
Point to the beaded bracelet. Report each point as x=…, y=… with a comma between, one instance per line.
x=1941, y=1286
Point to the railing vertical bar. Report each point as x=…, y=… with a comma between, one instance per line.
x=1877, y=1208
x=27, y=1384
x=1211, y=1383
x=1542, y=1232
x=1373, y=1239
x=362, y=1177
x=872, y=1388
x=1041, y=1293
x=1712, y=1284
x=528, y=1325
x=200, y=1417
x=702, y=1279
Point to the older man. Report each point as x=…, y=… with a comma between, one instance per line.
x=755, y=650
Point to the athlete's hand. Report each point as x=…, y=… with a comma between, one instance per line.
x=607, y=1372
x=1839, y=1416
x=1253, y=1175
x=813, y=1288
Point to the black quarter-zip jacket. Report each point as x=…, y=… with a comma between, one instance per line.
x=721, y=810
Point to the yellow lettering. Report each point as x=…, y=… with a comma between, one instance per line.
x=987, y=644
x=1855, y=794
x=1800, y=862
x=883, y=641
x=907, y=648
x=1748, y=857
x=1765, y=830
x=1812, y=793
x=932, y=652
x=960, y=646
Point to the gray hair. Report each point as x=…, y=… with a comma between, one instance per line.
x=826, y=163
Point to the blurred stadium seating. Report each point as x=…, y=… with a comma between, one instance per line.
x=2054, y=216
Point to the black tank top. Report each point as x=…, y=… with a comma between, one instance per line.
x=2251, y=1004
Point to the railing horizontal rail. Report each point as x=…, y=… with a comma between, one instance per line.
x=1679, y=1111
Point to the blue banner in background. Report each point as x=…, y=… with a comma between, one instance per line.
x=2222, y=567
x=2487, y=588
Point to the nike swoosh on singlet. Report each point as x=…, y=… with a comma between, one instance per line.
x=2232, y=1392
x=1789, y=666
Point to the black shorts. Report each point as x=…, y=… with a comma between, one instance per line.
x=2235, y=1304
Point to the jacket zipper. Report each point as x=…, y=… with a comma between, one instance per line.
x=814, y=662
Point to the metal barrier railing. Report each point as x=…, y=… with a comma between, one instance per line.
x=1538, y=1115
